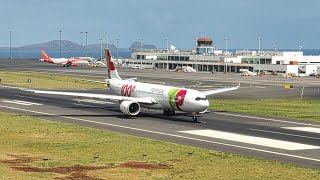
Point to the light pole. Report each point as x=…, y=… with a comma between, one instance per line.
x=167, y=53
x=226, y=54
x=259, y=39
x=195, y=66
x=100, y=49
x=10, y=44
x=60, y=41
x=141, y=39
x=81, y=42
x=117, y=39
x=107, y=39
x=86, y=44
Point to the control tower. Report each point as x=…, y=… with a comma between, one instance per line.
x=204, y=46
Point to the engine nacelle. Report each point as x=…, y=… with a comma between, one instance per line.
x=130, y=108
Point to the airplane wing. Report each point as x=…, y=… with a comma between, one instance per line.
x=145, y=100
x=87, y=80
x=104, y=82
x=216, y=91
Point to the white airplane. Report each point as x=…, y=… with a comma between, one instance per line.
x=66, y=62
x=246, y=72
x=184, y=69
x=133, y=95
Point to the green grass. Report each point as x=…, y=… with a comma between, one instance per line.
x=68, y=145
x=283, y=108
x=46, y=81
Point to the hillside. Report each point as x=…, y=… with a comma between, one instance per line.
x=55, y=44
x=137, y=45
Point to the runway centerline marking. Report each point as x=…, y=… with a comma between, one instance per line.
x=267, y=119
x=274, y=143
x=93, y=101
x=274, y=132
x=304, y=129
x=32, y=97
x=171, y=135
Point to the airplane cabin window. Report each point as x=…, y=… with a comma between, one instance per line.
x=200, y=98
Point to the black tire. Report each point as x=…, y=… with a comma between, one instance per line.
x=165, y=112
x=172, y=112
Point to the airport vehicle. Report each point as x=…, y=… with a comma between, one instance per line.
x=132, y=95
x=66, y=62
x=246, y=72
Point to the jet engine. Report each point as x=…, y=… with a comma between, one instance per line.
x=130, y=108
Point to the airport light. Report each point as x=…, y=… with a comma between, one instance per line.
x=117, y=39
x=60, y=41
x=141, y=39
x=100, y=49
x=81, y=42
x=167, y=53
x=10, y=32
x=259, y=40
x=226, y=54
x=86, y=44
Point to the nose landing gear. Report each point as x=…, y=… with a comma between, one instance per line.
x=195, y=119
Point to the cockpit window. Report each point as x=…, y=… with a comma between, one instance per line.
x=200, y=98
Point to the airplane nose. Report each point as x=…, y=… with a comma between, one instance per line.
x=206, y=104
x=203, y=105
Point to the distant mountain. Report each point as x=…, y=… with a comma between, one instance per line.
x=53, y=45
x=67, y=45
x=137, y=45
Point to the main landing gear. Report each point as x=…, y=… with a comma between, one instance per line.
x=194, y=119
x=169, y=112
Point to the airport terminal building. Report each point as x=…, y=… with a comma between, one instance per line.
x=206, y=58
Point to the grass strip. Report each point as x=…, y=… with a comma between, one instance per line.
x=282, y=108
x=46, y=81
x=27, y=141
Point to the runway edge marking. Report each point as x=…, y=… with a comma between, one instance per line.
x=172, y=135
x=24, y=103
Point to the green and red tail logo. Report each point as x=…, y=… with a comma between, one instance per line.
x=176, y=98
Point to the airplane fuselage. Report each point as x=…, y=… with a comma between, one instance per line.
x=167, y=97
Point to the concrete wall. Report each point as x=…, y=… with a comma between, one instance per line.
x=311, y=69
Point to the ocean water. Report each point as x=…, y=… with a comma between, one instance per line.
x=21, y=54
x=4, y=53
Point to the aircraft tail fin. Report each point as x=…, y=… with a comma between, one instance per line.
x=112, y=69
x=46, y=57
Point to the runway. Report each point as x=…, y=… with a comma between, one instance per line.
x=282, y=140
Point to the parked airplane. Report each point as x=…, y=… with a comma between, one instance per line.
x=66, y=62
x=246, y=72
x=133, y=95
x=184, y=69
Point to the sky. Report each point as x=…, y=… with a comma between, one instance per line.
x=286, y=24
